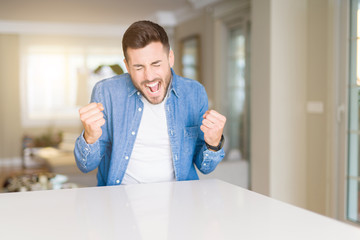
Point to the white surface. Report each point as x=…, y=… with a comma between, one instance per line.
x=206, y=209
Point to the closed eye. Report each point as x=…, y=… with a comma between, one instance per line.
x=156, y=64
x=138, y=67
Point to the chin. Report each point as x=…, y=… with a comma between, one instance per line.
x=155, y=101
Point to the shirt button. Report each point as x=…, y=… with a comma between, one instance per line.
x=204, y=164
x=139, y=109
x=133, y=133
x=127, y=157
x=117, y=181
x=206, y=155
x=86, y=149
x=138, y=93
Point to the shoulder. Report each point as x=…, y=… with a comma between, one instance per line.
x=191, y=93
x=186, y=86
x=110, y=87
x=113, y=82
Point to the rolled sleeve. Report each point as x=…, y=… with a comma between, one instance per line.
x=210, y=160
x=84, y=153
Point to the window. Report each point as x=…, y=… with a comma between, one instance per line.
x=232, y=32
x=237, y=130
x=353, y=173
x=57, y=79
x=190, y=58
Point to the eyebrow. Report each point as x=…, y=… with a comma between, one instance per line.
x=140, y=65
x=137, y=65
x=156, y=62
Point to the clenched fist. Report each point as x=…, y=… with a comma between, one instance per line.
x=213, y=126
x=92, y=119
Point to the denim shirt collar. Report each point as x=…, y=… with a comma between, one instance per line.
x=132, y=89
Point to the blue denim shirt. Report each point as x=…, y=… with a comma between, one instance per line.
x=186, y=104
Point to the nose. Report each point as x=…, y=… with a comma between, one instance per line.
x=149, y=74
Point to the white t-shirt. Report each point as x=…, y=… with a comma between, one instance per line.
x=151, y=158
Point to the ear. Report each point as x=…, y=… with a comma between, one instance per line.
x=126, y=65
x=171, y=58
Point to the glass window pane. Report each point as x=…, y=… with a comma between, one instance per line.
x=354, y=155
x=190, y=58
x=45, y=71
x=354, y=108
x=59, y=79
x=353, y=176
x=353, y=202
x=237, y=126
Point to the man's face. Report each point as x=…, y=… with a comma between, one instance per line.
x=149, y=68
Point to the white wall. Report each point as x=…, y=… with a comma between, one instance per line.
x=288, y=95
x=278, y=70
x=260, y=96
x=316, y=91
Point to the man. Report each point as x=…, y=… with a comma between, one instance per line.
x=148, y=125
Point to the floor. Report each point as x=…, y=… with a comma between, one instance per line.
x=232, y=171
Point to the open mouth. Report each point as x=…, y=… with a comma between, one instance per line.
x=153, y=87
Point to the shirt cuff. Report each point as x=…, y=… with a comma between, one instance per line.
x=211, y=159
x=84, y=147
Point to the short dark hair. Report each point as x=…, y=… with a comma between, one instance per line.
x=142, y=33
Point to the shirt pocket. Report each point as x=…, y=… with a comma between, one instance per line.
x=190, y=137
x=191, y=132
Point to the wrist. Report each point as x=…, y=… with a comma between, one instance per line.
x=88, y=139
x=218, y=147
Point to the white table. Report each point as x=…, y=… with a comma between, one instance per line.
x=206, y=209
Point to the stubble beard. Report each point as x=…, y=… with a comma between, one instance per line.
x=159, y=99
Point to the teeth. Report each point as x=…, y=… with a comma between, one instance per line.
x=152, y=85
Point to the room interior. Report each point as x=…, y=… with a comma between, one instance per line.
x=287, y=122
